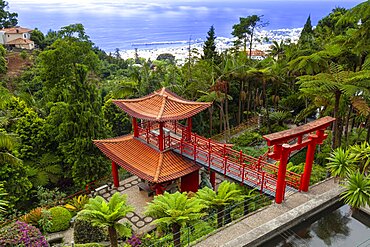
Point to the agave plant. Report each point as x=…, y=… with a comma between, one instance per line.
x=361, y=153
x=341, y=163
x=357, y=192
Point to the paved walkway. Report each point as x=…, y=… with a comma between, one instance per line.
x=268, y=222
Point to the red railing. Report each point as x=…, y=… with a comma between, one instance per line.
x=217, y=156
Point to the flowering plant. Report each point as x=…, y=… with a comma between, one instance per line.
x=20, y=233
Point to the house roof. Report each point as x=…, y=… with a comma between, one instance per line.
x=15, y=30
x=144, y=161
x=256, y=53
x=20, y=41
x=162, y=105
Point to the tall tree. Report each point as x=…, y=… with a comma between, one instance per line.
x=245, y=30
x=175, y=211
x=306, y=38
x=108, y=214
x=74, y=109
x=209, y=47
x=7, y=19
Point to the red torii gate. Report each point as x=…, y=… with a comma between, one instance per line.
x=282, y=150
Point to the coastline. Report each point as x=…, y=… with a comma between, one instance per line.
x=180, y=49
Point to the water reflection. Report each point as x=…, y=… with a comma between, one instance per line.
x=333, y=227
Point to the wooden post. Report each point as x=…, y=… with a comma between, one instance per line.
x=310, y=155
x=135, y=127
x=188, y=137
x=160, y=137
x=280, y=184
x=212, y=178
x=115, y=174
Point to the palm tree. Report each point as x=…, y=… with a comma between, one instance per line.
x=277, y=49
x=107, y=214
x=341, y=163
x=357, y=192
x=226, y=194
x=175, y=211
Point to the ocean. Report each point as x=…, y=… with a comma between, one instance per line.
x=126, y=24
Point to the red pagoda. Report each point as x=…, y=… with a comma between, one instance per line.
x=148, y=153
x=161, y=150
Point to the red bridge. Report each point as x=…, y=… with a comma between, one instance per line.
x=164, y=137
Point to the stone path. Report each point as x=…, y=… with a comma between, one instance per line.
x=270, y=221
x=137, y=199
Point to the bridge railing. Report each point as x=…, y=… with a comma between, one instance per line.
x=215, y=154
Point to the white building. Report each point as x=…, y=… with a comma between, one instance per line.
x=18, y=37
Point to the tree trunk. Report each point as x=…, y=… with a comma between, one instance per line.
x=221, y=116
x=176, y=235
x=347, y=124
x=265, y=105
x=340, y=131
x=336, y=122
x=368, y=129
x=250, y=93
x=251, y=44
x=112, y=236
x=220, y=216
x=210, y=109
x=241, y=89
x=227, y=123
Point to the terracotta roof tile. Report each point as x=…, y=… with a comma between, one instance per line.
x=14, y=30
x=19, y=41
x=162, y=105
x=145, y=162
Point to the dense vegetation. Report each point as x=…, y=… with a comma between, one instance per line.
x=50, y=114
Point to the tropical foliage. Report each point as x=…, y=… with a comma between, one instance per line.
x=107, y=214
x=175, y=211
x=226, y=194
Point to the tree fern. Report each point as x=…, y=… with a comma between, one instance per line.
x=175, y=211
x=107, y=214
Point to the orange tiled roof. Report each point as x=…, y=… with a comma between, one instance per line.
x=14, y=30
x=144, y=161
x=20, y=41
x=160, y=106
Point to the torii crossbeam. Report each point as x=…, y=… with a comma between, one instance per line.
x=308, y=135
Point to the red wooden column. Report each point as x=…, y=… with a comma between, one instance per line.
x=135, y=127
x=310, y=155
x=115, y=174
x=212, y=178
x=190, y=182
x=159, y=189
x=280, y=184
x=188, y=136
x=160, y=137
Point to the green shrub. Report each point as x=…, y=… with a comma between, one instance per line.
x=84, y=232
x=60, y=218
x=247, y=139
x=21, y=234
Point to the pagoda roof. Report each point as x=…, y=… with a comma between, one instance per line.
x=162, y=105
x=145, y=162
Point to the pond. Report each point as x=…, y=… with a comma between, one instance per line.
x=337, y=226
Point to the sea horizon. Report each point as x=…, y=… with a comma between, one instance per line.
x=127, y=25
